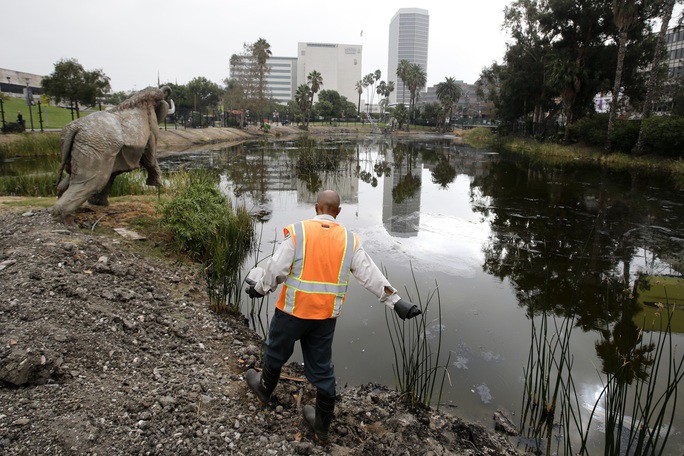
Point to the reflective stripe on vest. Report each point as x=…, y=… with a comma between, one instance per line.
x=295, y=284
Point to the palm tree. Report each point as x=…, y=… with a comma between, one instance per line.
x=415, y=80
x=402, y=73
x=302, y=97
x=624, y=15
x=359, y=89
x=384, y=89
x=315, y=81
x=369, y=81
x=261, y=51
x=448, y=93
x=653, y=79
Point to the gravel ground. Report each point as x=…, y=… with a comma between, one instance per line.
x=104, y=350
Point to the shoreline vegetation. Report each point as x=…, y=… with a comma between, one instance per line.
x=171, y=141
x=573, y=155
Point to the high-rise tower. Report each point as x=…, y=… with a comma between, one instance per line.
x=408, y=39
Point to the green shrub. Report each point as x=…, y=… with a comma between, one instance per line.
x=204, y=225
x=590, y=130
x=665, y=135
x=624, y=136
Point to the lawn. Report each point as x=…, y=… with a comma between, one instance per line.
x=53, y=116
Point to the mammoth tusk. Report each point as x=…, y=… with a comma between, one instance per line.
x=172, y=109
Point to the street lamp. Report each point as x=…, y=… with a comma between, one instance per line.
x=29, y=102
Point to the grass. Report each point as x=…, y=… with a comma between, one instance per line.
x=31, y=144
x=573, y=155
x=204, y=226
x=56, y=117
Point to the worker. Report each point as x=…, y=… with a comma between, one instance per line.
x=314, y=262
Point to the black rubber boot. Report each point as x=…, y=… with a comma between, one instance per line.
x=319, y=418
x=263, y=384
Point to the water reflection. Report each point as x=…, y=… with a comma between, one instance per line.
x=507, y=242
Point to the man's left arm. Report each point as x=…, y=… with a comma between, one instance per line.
x=369, y=275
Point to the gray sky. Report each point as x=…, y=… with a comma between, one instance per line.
x=132, y=40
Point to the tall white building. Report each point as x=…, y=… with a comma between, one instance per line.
x=339, y=65
x=408, y=39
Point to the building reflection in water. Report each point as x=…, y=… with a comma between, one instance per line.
x=401, y=193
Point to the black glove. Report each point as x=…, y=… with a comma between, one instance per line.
x=252, y=293
x=406, y=309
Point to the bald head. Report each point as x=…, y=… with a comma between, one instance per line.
x=328, y=202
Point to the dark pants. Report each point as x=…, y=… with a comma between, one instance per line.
x=315, y=337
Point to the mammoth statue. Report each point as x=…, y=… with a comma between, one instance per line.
x=97, y=148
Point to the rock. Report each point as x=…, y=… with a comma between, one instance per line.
x=129, y=234
x=167, y=401
x=21, y=367
x=28, y=214
x=6, y=264
x=21, y=422
x=503, y=424
x=303, y=448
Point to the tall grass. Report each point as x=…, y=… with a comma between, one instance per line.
x=204, y=225
x=29, y=144
x=416, y=365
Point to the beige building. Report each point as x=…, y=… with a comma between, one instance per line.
x=339, y=65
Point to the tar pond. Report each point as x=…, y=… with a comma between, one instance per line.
x=553, y=283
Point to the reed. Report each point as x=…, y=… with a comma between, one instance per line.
x=416, y=365
x=639, y=407
x=32, y=144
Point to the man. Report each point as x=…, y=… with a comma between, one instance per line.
x=314, y=262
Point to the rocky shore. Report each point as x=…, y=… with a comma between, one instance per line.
x=106, y=349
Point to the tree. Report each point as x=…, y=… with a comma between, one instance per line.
x=333, y=105
x=359, y=89
x=114, y=98
x=203, y=94
x=315, y=81
x=654, y=78
x=261, y=51
x=433, y=112
x=625, y=14
x=400, y=113
x=448, y=93
x=302, y=97
x=384, y=89
x=402, y=73
x=415, y=80
x=71, y=82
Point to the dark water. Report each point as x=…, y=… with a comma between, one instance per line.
x=505, y=242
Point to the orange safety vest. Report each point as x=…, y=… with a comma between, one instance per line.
x=316, y=287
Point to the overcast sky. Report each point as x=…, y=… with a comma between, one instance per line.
x=132, y=40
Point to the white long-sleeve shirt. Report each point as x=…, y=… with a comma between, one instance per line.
x=362, y=268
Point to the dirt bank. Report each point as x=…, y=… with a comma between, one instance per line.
x=108, y=347
x=181, y=140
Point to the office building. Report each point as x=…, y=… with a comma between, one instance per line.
x=408, y=40
x=281, y=80
x=675, y=52
x=338, y=64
